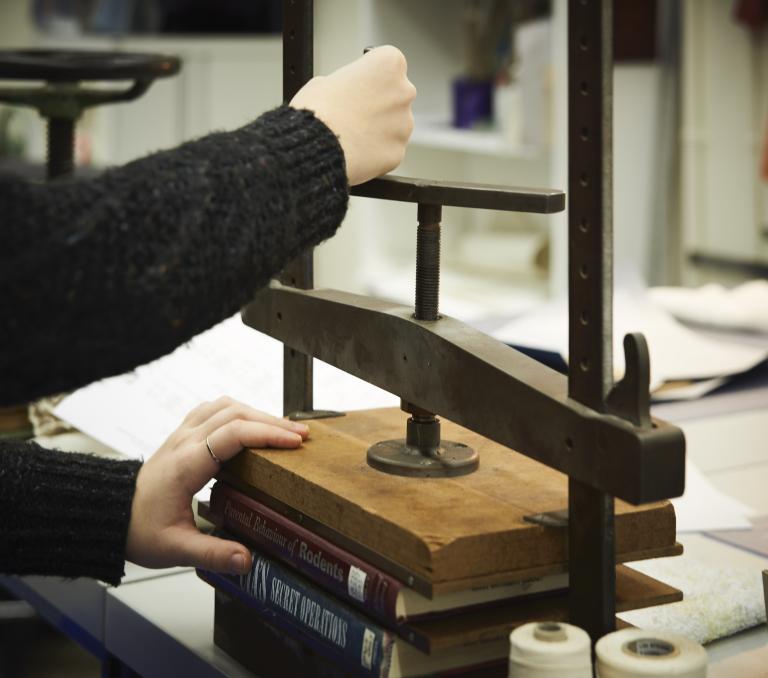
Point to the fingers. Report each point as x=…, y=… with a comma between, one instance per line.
x=229, y=439
x=206, y=410
x=235, y=410
x=230, y=427
x=390, y=56
x=212, y=553
x=199, y=466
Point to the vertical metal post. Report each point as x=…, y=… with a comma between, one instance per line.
x=297, y=70
x=590, y=283
x=61, y=147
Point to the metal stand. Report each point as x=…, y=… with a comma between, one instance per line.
x=598, y=433
x=62, y=99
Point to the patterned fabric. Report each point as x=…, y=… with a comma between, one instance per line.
x=718, y=601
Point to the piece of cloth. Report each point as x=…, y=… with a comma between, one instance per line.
x=100, y=276
x=717, y=601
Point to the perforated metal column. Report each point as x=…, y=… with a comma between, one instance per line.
x=590, y=282
x=297, y=69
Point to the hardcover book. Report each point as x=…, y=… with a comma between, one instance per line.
x=271, y=652
x=275, y=593
x=339, y=632
x=343, y=573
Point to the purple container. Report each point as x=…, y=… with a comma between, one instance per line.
x=471, y=102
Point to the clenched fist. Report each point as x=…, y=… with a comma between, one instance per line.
x=367, y=104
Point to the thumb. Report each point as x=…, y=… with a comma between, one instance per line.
x=215, y=554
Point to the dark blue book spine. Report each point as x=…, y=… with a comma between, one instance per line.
x=291, y=601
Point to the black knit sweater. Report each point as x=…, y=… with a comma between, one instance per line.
x=103, y=275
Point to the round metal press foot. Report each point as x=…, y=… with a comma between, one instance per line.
x=450, y=459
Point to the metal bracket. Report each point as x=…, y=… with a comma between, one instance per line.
x=549, y=519
x=630, y=398
x=314, y=414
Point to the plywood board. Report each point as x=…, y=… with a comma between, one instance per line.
x=634, y=590
x=469, y=529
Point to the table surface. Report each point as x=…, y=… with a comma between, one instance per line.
x=160, y=622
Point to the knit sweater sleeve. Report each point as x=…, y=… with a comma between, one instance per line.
x=102, y=275
x=63, y=514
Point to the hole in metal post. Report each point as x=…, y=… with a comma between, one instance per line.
x=584, y=179
x=584, y=364
x=584, y=88
x=584, y=272
x=584, y=318
x=584, y=134
x=583, y=42
x=569, y=443
x=584, y=225
x=279, y=315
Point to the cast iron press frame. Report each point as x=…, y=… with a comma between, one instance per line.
x=598, y=433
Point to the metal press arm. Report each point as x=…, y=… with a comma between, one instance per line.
x=471, y=378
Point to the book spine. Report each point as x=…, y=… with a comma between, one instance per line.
x=289, y=601
x=267, y=649
x=347, y=576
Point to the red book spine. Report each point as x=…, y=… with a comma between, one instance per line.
x=338, y=571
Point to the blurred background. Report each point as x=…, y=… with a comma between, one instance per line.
x=690, y=147
x=690, y=109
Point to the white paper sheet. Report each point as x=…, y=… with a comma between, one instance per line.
x=703, y=507
x=677, y=353
x=744, y=307
x=135, y=412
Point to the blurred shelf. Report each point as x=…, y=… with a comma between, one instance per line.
x=438, y=133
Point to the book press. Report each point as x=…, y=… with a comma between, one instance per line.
x=498, y=468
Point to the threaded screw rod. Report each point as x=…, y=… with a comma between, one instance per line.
x=61, y=147
x=428, y=262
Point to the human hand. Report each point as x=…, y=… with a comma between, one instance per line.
x=162, y=531
x=367, y=104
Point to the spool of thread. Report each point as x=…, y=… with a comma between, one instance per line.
x=549, y=649
x=636, y=653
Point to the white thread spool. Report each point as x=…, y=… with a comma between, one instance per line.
x=635, y=653
x=549, y=649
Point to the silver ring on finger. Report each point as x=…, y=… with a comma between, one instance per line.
x=210, y=451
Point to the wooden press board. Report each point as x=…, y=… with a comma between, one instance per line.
x=457, y=533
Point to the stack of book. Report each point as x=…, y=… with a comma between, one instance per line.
x=313, y=606
x=358, y=572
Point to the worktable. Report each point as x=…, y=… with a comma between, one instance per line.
x=160, y=622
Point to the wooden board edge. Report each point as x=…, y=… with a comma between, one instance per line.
x=635, y=590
